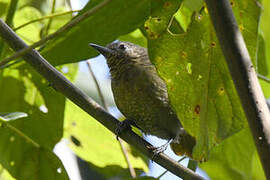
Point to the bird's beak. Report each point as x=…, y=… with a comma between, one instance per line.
x=103, y=50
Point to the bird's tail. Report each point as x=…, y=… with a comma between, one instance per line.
x=183, y=144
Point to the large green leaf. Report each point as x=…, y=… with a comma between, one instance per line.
x=97, y=145
x=235, y=159
x=199, y=83
x=26, y=144
x=262, y=64
x=117, y=18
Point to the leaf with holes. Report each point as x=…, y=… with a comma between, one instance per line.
x=198, y=80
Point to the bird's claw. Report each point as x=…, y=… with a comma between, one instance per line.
x=160, y=149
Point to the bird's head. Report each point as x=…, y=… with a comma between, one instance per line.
x=118, y=52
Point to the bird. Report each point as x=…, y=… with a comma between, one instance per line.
x=141, y=94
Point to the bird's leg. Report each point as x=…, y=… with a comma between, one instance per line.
x=160, y=149
x=123, y=125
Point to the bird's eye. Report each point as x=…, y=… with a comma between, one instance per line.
x=122, y=46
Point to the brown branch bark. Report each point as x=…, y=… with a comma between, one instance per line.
x=62, y=85
x=244, y=76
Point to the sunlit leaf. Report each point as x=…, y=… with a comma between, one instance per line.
x=97, y=145
x=26, y=144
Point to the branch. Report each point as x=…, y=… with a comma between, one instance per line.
x=62, y=85
x=244, y=77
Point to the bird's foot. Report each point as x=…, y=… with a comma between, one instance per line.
x=122, y=126
x=160, y=149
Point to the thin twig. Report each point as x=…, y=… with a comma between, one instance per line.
x=45, y=17
x=244, y=76
x=125, y=153
x=62, y=85
x=63, y=29
x=21, y=134
x=50, y=20
x=263, y=78
x=103, y=103
x=9, y=20
x=102, y=99
x=11, y=12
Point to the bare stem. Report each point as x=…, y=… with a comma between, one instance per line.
x=62, y=85
x=263, y=78
x=50, y=20
x=103, y=103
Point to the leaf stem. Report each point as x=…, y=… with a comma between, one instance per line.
x=50, y=20
x=21, y=134
x=263, y=78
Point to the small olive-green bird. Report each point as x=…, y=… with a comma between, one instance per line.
x=141, y=95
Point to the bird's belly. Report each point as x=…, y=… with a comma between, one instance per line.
x=146, y=110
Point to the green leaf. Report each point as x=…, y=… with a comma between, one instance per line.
x=12, y=116
x=31, y=32
x=198, y=80
x=26, y=144
x=119, y=17
x=135, y=37
x=3, y=8
x=184, y=14
x=97, y=145
x=235, y=158
x=262, y=64
x=57, y=22
x=5, y=175
x=265, y=29
x=27, y=162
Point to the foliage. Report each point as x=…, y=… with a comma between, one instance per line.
x=183, y=46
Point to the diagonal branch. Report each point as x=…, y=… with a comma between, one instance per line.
x=244, y=76
x=62, y=85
